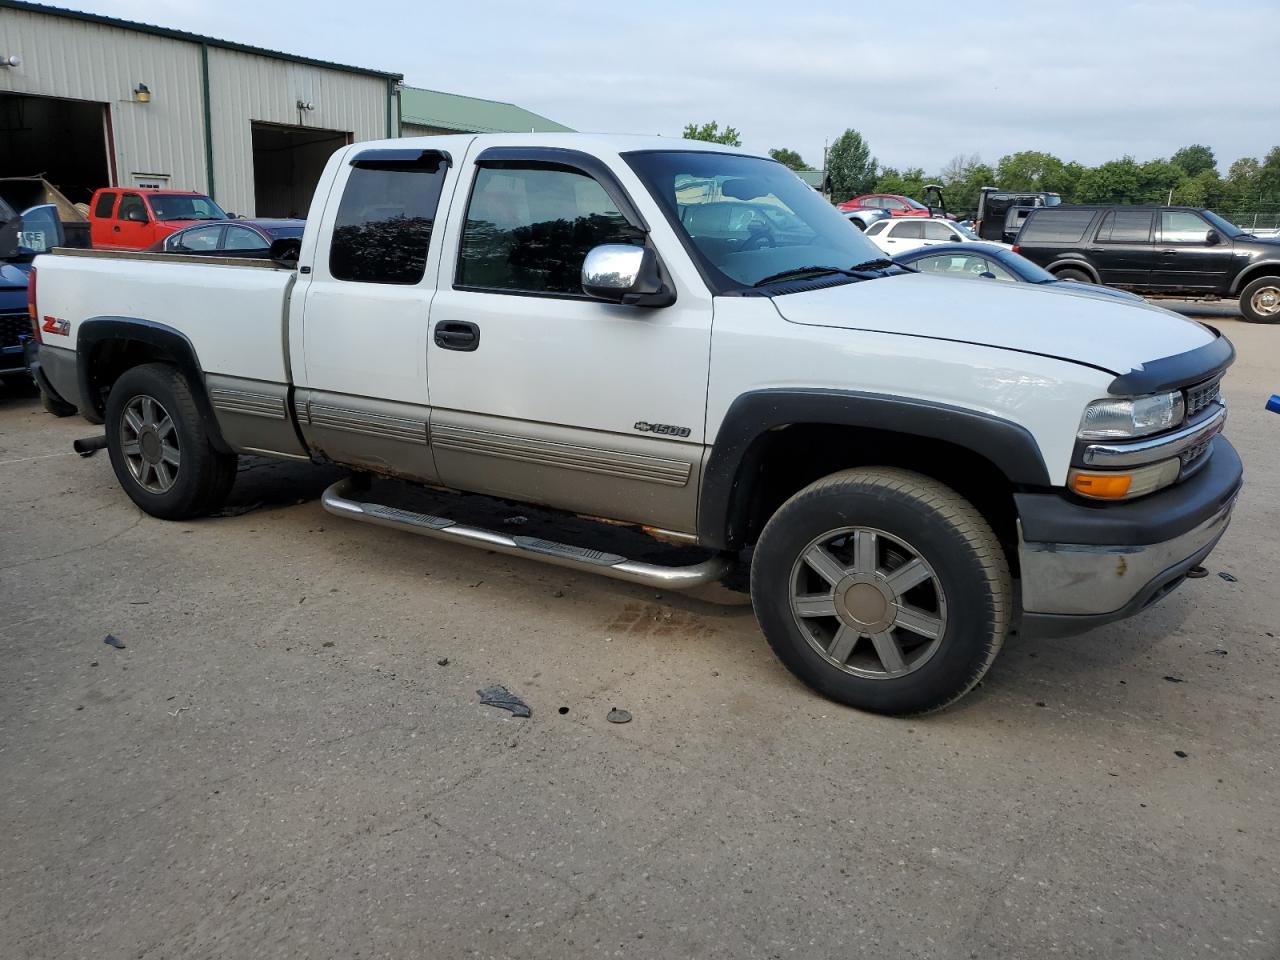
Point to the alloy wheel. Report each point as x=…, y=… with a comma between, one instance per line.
x=149, y=442
x=868, y=602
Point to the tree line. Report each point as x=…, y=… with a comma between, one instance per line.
x=1190, y=177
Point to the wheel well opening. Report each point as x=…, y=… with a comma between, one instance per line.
x=110, y=358
x=783, y=461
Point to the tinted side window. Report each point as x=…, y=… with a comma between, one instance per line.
x=1178, y=226
x=1126, y=226
x=530, y=229
x=130, y=206
x=384, y=221
x=907, y=230
x=103, y=207
x=242, y=238
x=1056, y=226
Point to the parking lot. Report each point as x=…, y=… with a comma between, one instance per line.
x=288, y=757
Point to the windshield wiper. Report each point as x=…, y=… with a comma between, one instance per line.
x=797, y=272
x=880, y=263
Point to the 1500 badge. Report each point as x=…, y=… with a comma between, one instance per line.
x=664, y=429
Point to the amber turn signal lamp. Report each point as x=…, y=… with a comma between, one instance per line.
x=1107, y=486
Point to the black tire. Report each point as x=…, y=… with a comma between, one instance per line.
x=1260, y=300
x=53, y=405
x=203, y=476
x=1079, y=276
x=945, y=531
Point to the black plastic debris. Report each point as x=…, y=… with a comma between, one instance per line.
x=1180, y=753
x=1173, y=679
x=618, y=716
x=1230, y=578
x=504, y=699
x=1218, y=652
x=113, y=641
x=442, y=662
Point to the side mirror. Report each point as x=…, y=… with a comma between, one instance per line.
x=284, y=252
x=987, y=275
x=137, y=216
x=622, y=273
x=1213, y=238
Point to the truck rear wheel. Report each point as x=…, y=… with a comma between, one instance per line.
x=160, y=447
x=882, y=589
x=1260, y=300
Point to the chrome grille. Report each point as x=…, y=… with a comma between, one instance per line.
x=1200, y=396
x=13, y=326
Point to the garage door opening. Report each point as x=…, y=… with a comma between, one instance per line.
x=63, y=140
x=287, y=163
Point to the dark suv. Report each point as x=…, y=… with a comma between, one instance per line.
x=1174, y=251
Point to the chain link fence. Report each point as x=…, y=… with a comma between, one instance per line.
x=1256, y=218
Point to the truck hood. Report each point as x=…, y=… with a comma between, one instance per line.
x=14, y=276
x=1101, y=332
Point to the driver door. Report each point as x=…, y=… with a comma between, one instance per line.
x=541, y=393
x=132, y=227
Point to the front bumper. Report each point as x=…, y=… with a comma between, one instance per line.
x=1084, y=565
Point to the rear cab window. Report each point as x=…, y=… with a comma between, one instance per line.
x=103, y=206
x=386, y=216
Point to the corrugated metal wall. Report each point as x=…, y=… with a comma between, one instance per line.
x=246, y=88
x=89, y=61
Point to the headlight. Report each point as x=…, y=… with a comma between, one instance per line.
x=1124, y=419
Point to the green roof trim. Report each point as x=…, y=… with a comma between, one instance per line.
x=451, y=111
x=188, y=37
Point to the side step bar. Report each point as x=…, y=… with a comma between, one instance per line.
x=337, y=499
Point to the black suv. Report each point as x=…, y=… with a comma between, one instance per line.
x=1176, y=251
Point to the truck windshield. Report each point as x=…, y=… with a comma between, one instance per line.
x=185, y=208
x=745, y=219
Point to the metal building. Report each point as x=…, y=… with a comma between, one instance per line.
x=93, y=101
x=424, y=112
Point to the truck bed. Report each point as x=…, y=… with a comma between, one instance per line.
x=232, y=308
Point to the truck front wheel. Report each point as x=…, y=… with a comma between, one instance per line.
x=160, y=447
x=882, y=589
x=1260, y=300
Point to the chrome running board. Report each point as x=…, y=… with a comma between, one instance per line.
x=337, y=499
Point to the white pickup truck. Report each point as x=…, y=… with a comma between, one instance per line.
x=684, y=338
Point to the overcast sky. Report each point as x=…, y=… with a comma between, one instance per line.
x=923, y=81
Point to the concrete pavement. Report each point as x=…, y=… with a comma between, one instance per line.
x=277, y=766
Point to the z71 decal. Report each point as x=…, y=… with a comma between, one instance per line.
x=664, y=429
x=56, y=325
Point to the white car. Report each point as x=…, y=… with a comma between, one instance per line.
x=688, y=341
x=908, y=233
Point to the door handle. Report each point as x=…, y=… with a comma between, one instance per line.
x=457, y=335
x=116, y=228
x=1168, y=252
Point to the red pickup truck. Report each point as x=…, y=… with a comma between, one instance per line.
x=134, y=219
